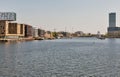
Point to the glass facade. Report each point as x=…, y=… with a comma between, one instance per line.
x=8, y=16
x=112, y=20
x=113, y=29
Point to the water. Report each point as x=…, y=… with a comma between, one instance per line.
x=78, y=57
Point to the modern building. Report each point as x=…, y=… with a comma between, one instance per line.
x=113, y=31
x=112, y=22
x=15, y=30
x=28, y=31
x=112, y=19
x=7, y=16
x=35, y=32
x=11, y=30
x=41, y=32
x=8, y=29
x=3, y=28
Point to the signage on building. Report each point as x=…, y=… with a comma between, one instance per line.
x=9, y=16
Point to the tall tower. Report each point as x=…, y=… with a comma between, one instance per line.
x=112, y=19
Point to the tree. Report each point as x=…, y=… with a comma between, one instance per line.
x=55, y=34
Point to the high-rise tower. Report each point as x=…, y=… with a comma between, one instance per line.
x=113, y=30
x=112, y=19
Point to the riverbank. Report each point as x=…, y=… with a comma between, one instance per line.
x=23, y=39
x=39, y=38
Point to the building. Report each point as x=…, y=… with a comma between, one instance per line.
x=8, y=29
x=28, y=31
x=113, y=31
x=3, y=28
x=60, y=35
x=11, y=30
x=112, y=23
x=35, y=32
x=48, y=35
x=41, y=32
x=79, y=33
x=112, y=19
x=7, y=16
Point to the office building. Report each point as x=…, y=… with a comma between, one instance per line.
x=112, y=20
x=113, y=31
x=28, y=31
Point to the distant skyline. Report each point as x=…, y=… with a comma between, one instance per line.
x=88, y=16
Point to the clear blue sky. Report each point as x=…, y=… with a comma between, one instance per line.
x=84, y=15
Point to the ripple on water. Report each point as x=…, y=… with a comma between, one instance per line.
x=88, y=57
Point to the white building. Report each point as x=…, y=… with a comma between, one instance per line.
x=35, y=32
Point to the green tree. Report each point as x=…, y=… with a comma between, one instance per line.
x=55, y=34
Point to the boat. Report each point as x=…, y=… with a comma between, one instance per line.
x=39, y=38
x=99, y=36
x=102, y=38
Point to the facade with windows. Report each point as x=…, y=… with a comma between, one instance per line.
x=112, y=19
x=35, y=32
x=11, y=30
x=7, y=16
x=3, y=28
x=113, y=31
x=28, y=31
x=41, y=32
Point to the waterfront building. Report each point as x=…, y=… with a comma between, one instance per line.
x=79, y=33
x=35, y=32
x=11, y=30
x=8, y=29
x=7, y=16
x=65, y=34
x=15, y=30
x=3, y=28
x=48, y=35
x=112, y=22
x=60, y=35
x=113, y=31
x=112, y=19
x=41, y=32
x=28, y=31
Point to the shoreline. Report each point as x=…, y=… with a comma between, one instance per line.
x=31, y=39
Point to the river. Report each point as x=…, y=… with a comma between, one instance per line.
x=77, y=57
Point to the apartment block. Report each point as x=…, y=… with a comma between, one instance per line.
x=28, y=31
x=11, y=30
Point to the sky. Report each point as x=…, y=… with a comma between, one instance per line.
x=88, y=16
